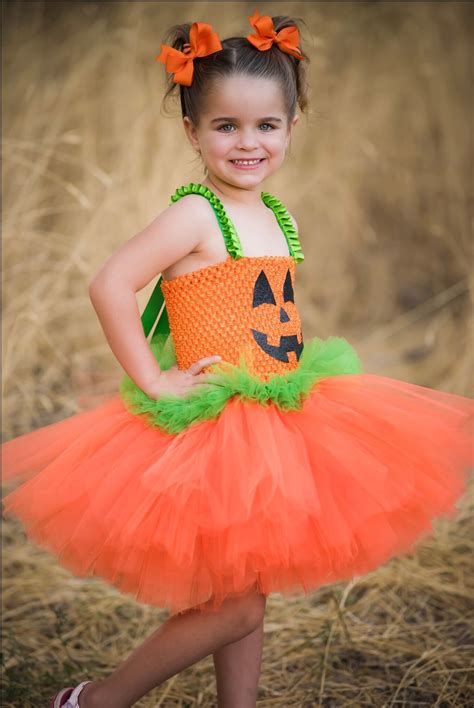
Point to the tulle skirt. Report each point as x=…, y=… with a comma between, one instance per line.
x=284, y=500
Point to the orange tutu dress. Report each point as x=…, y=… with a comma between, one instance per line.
x=290, y=469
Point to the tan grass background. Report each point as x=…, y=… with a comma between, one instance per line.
x=379, y=178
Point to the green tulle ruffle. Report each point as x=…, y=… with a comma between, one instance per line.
x=320, y=358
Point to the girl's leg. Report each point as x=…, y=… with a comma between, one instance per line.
x=178, y=643
x=238, y=670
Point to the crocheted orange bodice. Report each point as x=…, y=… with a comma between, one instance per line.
x=243, y=306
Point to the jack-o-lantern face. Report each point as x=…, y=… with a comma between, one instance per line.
x=264, y=295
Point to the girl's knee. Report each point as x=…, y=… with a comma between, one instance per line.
x=250, y=610
x=244, y=612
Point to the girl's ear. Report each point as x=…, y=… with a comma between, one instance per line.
x=290, y=129
x=191, y=133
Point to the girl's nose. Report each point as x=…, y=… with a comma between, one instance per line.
x=247, y=140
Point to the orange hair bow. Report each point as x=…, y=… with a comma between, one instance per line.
x=202, y=41
x=287, y=38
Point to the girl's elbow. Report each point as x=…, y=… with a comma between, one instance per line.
x=105, y=285
x=98, y=285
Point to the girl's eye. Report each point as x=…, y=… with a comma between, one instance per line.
x=223, y=128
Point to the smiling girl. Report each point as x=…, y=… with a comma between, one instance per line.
x=237, y=459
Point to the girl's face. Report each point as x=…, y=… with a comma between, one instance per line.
x=243, y=132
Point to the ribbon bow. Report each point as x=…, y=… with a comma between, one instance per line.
x=202, y=41
x=287, y=38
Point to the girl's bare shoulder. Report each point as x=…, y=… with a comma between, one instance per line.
x=191, y=203
x=188, y=218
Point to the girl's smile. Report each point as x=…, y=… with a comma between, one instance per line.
x=242, y=164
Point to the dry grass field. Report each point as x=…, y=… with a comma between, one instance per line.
x=379, y=179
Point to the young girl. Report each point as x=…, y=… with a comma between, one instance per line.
x=237, y=458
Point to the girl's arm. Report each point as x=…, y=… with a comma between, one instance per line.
x=169, y=237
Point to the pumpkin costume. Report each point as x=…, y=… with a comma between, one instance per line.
x=292, y=468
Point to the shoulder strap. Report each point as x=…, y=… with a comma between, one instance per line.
x=231, y=239
x=286, y=225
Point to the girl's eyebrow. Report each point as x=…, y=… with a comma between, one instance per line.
x=272, y=118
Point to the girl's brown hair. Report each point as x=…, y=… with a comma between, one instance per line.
x=239, y=56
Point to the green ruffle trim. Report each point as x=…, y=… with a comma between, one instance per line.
x=229, y=232
x=232, y=241
x=286, y=225
x=320, y=358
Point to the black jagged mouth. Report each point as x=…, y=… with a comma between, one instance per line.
x=288, y=343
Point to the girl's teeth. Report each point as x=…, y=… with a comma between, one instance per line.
x=246, y=162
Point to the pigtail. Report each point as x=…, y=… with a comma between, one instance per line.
x=176, y=37
x=298, y=66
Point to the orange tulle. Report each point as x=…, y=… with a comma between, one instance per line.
x=287, y=500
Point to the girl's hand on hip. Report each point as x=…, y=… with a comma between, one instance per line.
x=179, y=382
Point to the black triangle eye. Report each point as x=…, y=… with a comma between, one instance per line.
x=288, y=289
x=262, y=292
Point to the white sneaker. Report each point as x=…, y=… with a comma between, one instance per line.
x=68, y=697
